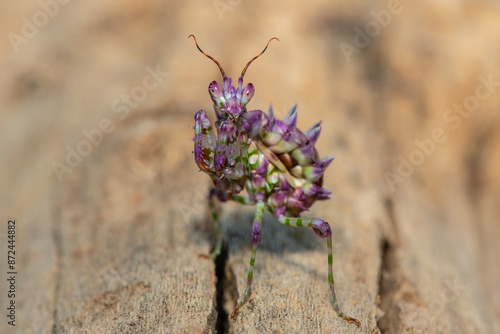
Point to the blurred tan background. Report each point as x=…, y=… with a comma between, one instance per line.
x=96, y=103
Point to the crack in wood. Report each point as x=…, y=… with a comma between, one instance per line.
x=383, y=293
x=387, y=269
x=222, y=322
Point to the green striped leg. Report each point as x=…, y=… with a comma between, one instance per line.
x=222, y=196
x=322, y=230
x=256, y=238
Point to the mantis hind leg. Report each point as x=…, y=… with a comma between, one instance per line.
x=322, y=230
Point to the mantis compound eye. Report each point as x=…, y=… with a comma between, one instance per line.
x=216, y=94
x=248, y=92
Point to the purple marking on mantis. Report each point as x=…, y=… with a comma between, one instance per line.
x=275, y=162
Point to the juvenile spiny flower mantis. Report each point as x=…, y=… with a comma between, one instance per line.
x=275, y=162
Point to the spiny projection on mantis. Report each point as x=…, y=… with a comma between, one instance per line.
x=275, y=162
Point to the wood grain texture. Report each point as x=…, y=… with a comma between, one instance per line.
x=113, y=245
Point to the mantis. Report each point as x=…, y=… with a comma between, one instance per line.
x=275, y=162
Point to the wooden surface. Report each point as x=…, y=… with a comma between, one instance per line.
x=112, y=247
